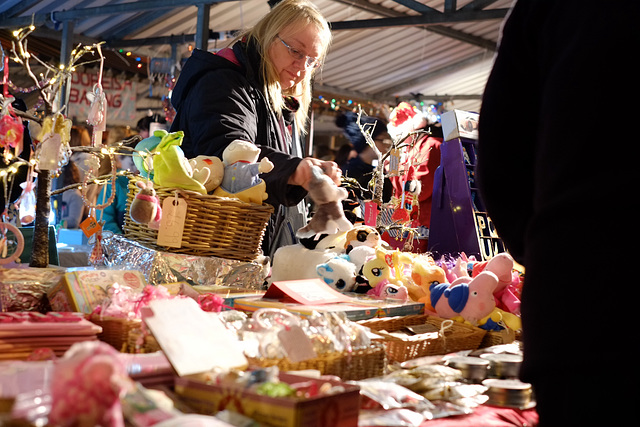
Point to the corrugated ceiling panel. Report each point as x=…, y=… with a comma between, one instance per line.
x=377, y=62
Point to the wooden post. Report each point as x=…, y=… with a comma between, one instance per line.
x=40, y=244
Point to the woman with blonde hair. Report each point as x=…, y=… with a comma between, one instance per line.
x=259, y=90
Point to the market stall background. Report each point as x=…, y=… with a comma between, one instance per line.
x=438, y=53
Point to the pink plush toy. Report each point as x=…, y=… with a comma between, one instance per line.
x=145, y=207
x=469, y=298
x=508, y=290
x=501, y=265
x=387, y=290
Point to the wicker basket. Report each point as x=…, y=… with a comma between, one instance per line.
x=125, y=335
x=214, y=226
x=349, y=366
x=498, y=337
x=457, y=337
x=116, y=330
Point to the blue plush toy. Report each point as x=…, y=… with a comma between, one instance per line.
x=145, y=163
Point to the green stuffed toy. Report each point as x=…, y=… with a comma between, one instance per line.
x=170, y=166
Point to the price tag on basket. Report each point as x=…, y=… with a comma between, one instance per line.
x=174, y=213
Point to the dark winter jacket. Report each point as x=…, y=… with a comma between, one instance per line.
x=560, y=194
x=217, y=101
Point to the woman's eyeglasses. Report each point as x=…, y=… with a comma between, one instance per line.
x=309, y=61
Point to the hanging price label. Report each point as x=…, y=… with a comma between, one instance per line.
x=370, y=213
x=174, y=213
x=394, y=162
x=90, y=226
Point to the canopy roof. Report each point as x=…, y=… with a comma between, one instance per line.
x=383, y=50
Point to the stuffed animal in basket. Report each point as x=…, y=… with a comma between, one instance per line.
x=329, y=216
x=145, y=207
x=465, y=299
x=209, y=170
x=144, y=162
x=241, y=173
x=170, y=167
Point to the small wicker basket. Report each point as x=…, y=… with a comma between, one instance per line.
x=125, y=335
x=457, y=337
x=349, y=366
x=214, y=226
x=498, y=337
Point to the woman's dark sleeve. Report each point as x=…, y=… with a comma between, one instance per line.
x=221, y=108
x=278, y=190
x=218, y=110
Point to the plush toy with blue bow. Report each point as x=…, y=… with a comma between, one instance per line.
x=339, y=273
x=465, y=299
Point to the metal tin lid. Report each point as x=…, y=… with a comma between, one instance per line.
x=503, y=365
x=506, y=384
x=462, y=362
x=473, y=368
x=510, y=393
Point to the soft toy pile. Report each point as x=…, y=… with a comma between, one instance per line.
x=482, y=293
x=161, y=161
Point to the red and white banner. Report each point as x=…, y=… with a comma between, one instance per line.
x=120, y=95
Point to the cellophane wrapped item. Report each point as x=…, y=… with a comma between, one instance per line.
x=166, y=267
x=25, y=288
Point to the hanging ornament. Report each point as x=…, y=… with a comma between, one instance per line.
x=97, y=254
x=11, y=243
x=11, y=128
x=53, y=150
x=27, y=200
x=98, y=111
x=11, y=133
x=97, y=114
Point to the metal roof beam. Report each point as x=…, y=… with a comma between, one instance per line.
x=478, y=4
x=17, y=8
x=111, y=9
x=426, y=19
x=437, y=29
x=417, y=6
x=167, y=40
x=202, y=26
x=137, y=22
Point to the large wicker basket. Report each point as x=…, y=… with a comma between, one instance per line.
x=457, y=337
x=349, y=366
x=215, y=226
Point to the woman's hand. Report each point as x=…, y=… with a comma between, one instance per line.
x=302, y=175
